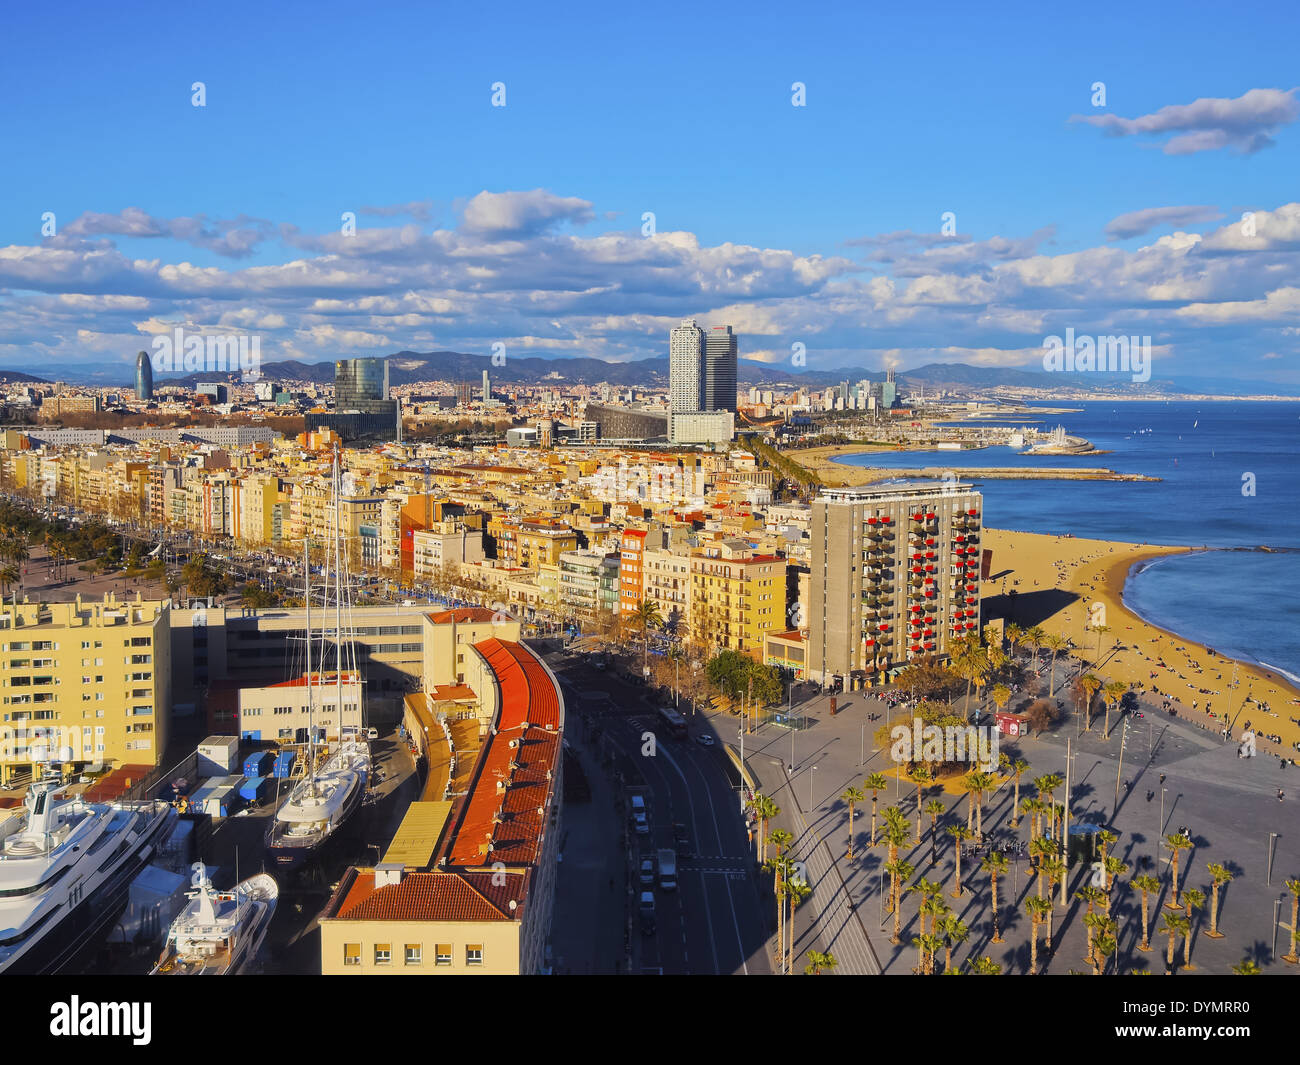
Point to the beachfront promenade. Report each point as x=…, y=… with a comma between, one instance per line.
x=1175, y=775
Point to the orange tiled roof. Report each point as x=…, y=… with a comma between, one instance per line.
x=462, y=614
x=522, y=754
x=432, y=897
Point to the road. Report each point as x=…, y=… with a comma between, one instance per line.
x=716, y=921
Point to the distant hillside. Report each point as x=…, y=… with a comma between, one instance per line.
x=14, y=377
x=411, y=367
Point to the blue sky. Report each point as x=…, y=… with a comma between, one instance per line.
x=818, y=224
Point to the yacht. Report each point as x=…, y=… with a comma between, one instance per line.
x=219, y=932
x=66, y=867
x=319, y=804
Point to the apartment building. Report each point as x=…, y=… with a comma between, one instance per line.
x=631, y=589
x=445, y=542
x=666, y=576
x=84, y=683
x=737, y=595
x=895, y=577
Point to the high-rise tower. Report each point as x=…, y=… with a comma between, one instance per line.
x=719, y=384
x=685, y=367
x=143, y=376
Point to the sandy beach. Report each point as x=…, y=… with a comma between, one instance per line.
x=1058, y=579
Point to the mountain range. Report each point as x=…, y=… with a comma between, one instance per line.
x=411, y=367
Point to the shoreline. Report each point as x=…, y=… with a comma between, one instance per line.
x=826, y=463
x=1087, y=572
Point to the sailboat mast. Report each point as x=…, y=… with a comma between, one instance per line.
x=338, y=594
x=311, y=720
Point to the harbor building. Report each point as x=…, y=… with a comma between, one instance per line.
x=468, y=884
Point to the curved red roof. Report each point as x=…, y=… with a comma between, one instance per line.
x=511, y=820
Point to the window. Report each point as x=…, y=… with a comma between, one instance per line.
x=351, y=953
x=474, y=954
x=414, y=954
x=442, y=954
x=383, y=953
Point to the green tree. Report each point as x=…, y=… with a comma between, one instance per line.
x=817, y=961
x=875, y=783
x=1038, y=909
x=1221, y=875
x=1177, y=843
x=851, y=797
x=1193, y=900
x=995, y=864
x=1148, y=885
x=1175, y=925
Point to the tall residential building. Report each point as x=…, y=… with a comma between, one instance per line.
x=87, y=683
x=487, y=388
x=143, y=376
x=685, y=368
x=719, y=384
x=737, y=596
x=895, y=577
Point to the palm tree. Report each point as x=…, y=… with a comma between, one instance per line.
x=1175, y=925
x=1114, y=692
x=995, y=864
x=1046, y=785
x=954, y=932
x=898, y=871
x=959, y=833
x=852, y=795
x=1148, y=885
x=1038, y=909
x=970, y=784
x=919, y=775
x=1089, y=685
x=1015, y=634
x=781, y=868
x=1105, y=943
x=1041, y=850
x=986, y=782
x=1293, y=886
x=1017, y=767
x=1114, y=869
x=1221, y=874
x=1092, y=896
x=817, y=961
x=645, y=617
x=796, y=891
x=1034, y=639
x=1056, y=644
x=763, y=807
x=1001, y=695
x=936, y=809
x=1033, y=808
x=985, y=966
x=875, y=783
x=1055, y=871
x=1101, y=631
x=1105, y=839
x=9, y=574
x=1246, y=967
x=1193, y=900
x=1177, y=843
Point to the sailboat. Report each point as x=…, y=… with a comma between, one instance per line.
x=319, y=804
x=219, y=933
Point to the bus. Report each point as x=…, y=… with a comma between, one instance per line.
x=673, y=721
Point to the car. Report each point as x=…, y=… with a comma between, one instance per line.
x=704, y=739
x=647, y=872
x=683, y=841
x=647, y=912
x=372, y=733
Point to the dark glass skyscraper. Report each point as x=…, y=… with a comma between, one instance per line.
x=359, y=383
x=719, y=386
x=143, y=376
